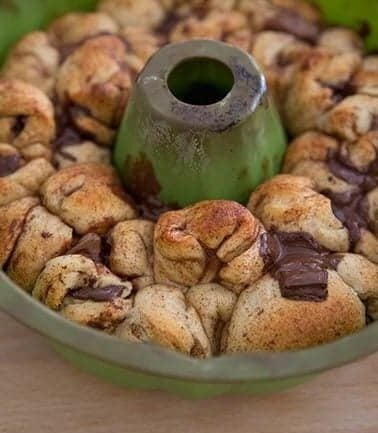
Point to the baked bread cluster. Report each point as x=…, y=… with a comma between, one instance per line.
x=295, y=267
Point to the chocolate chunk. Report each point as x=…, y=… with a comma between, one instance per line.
x=99, y=294
x=333, y=261
x=89, y=246
x=340, y=91
x=67, y=133
x=374, y=124
x=348, y=208
x=351, y=207
x=19, y=125
x=151, y=208
x=66, y=137
x=169, y=23
x=9, y=164
x=343, y=168
x=298, y=263
x=290, y=21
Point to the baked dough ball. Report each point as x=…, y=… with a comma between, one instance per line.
x=26, y=119
x=43, y=237
x=143, y=13
x=366, y=79
x=263, y=320
x=93, y=86
x=20, y=178
x=341, y=40
x=362, y=275
x=295, y=17
x=141, y=45
x=34, y=60
x=291, y=204
x=84, y=292
x=346, y=172
x=279, y=55
x=210, y=241
x=131, y=251
x=215, y=305
x=80, y=153
x=88, y=197
x=320, y=84
x=161, y=315
x=219, y=25
x=70, y=30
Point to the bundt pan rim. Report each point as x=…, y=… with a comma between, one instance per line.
x=159, y=368
x=227, y=369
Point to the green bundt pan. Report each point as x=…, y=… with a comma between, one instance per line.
x=146, y=366
x=191, y=100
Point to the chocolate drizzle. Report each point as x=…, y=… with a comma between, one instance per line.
x=299, y=264
x=9, y=164
x=351, y=207
x=98, y=294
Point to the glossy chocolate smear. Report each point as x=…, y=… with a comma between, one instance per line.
x=89, y=246
x=351, y=207
x=298, y=263
x=98, y=294
x=9, y=164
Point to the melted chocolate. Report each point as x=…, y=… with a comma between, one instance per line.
x=67, y=136
x=351, y=207
x=299, y=264
x=151, y=208
x=290, y=21
x=91, y=246
x=99, y=294
x=341, y=91
x=19, y=125
x=67, y=132
x=9, y=164
x=169, y=23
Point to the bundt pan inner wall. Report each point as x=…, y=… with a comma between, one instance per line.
x=151, y=367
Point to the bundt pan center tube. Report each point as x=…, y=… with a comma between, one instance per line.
x=200, y=125
x=180, y=99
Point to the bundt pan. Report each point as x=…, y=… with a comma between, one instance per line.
x=150, y=367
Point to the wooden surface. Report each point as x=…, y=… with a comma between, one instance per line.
x=41, y=393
